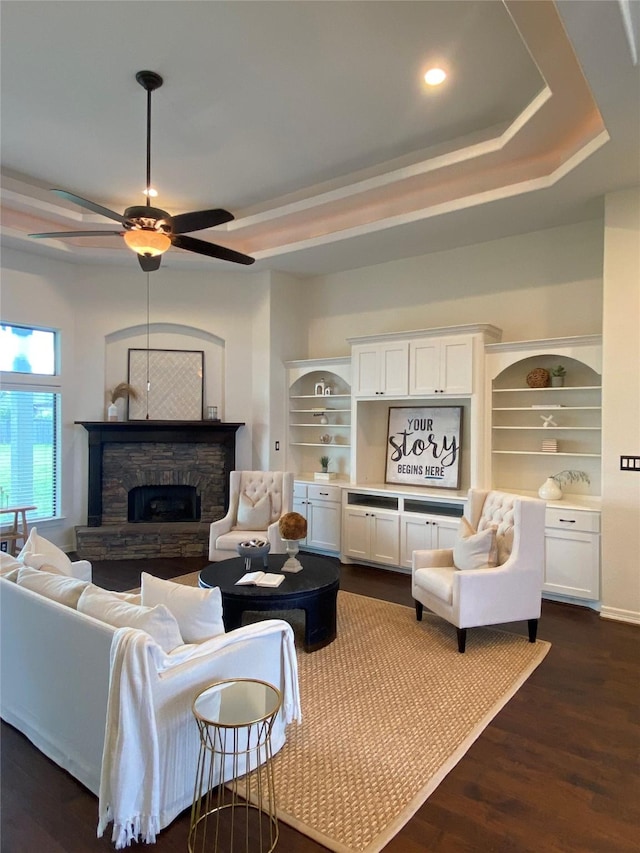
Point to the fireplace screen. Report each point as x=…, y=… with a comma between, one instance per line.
x=164, y=503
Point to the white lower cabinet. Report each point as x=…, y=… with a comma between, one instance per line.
x=572, y=553
x=321, y=506
x=425, y=532
x=371, y=534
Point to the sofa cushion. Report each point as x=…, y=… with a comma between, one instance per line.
x=475, y=550
x=39, y=553
x=158, y=621
x=253, y=515
x=57, y=587
x=198, y=612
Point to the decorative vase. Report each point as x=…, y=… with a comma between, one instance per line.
x=550, y=490
x=112, y=412
x=292, y=564
x=557, y=381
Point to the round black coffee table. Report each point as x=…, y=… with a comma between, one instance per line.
x=314, y=590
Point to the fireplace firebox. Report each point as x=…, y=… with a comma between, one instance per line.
x=163, y=503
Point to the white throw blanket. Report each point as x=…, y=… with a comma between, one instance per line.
x=129, y=781
x=130, y=785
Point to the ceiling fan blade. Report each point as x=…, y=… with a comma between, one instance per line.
x=191, y=244
x=89, y=205
x=149, y=264
x=78, y=234
x=197, y=220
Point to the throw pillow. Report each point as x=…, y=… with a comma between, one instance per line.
x=54, y=586
x=474, y=550
x=254, y=516
x=158, y=622
x=198, y=612
x=9, y=566
x=39, y=552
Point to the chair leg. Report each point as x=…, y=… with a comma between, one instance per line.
x=418, y=610
x=462, y=639
x=533, y=629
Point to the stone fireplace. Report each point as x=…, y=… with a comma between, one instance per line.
x=155, y=487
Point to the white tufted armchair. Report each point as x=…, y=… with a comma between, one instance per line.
x=257, y=499
x=486, y=596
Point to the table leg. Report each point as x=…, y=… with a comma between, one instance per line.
x=320, y=621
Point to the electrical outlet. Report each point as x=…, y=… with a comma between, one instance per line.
x=630, y=463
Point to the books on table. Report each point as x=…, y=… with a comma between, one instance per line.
x=260, y=579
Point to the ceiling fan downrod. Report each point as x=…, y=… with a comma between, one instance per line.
x=149, y=81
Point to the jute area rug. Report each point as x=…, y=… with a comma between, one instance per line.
x=388, y=709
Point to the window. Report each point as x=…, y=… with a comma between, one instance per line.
x=29, y=419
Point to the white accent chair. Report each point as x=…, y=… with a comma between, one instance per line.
x=247, y=488
x=511, y=591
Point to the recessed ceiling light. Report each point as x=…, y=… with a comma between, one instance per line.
x=150, y=192
x=435, y=76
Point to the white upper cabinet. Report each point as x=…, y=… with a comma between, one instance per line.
x=380, y=369
x=441, y=366
x=422, y=363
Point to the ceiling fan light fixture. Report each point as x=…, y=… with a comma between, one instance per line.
x=435, y=76
x=147, y=241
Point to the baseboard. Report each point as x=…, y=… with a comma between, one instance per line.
x=617, y=614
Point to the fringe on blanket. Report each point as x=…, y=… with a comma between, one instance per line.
x=141, y=829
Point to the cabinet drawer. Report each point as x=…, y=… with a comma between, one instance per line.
x=299, y=490
x=324, y=493
x=572, y=519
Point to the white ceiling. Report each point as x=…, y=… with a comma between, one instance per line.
x=309, y=121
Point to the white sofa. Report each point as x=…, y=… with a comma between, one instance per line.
x=55, y=672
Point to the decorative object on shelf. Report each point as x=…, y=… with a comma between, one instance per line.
x=423, y=446
x=212, y=413
x=324, y=462
x=324, y=420
x=325, y=438
x=548, y=421
x=549, y=445
x=328, y=391
x=258, y=548
x=122, y=391
x=174, y=380
x=538, y=378
x=292, y=527
x=320, y=388
x=557, y=376
x=551, y=489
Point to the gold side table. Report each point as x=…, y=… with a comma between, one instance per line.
x=235, y=719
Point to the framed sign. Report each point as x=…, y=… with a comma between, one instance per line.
x=170, y=384
x=423, y=446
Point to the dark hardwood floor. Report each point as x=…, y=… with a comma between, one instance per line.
x=555, y=772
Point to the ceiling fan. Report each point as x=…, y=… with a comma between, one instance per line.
x=150, y=231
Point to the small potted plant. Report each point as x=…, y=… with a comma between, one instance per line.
x=551, y=489
x=324, y=474
x=557, y=376
x=324, y=464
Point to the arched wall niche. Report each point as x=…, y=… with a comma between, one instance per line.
x=172, y=336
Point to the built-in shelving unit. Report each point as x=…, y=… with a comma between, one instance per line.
x=319, y=415
x=572, y=414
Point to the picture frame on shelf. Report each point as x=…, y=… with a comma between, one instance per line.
x=424, y=446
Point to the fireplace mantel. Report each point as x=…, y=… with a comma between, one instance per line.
x=109, y=431
x=124, y=432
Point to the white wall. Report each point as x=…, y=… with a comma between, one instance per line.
x=537, y=285
x=621, y=407
x=91, y=304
